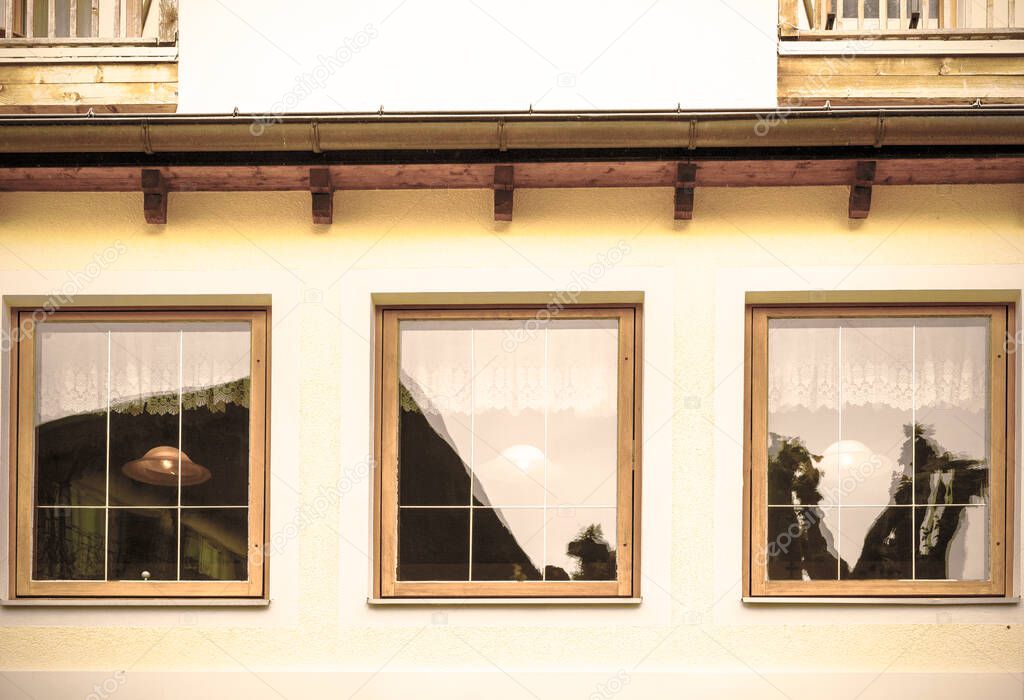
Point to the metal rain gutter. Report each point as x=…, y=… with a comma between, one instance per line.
x=510, y=131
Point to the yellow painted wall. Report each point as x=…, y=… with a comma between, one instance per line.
x=212, y=237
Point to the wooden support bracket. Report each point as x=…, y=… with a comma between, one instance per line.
x=860, y=191
x=322, y=189
x=686, y=180
x=154, y=197
x=504, y=190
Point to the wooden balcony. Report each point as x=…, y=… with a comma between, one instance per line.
x=884, y=52
x=79, y=55
x=824, y=20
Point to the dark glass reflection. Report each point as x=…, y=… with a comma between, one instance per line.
x=131, y=436
x=433, y=544
x=497, y=555
x=942, y=477
x=594, y=554
x=143, y=539
x=800, y=540
x=430, y=471
x=68, y=544
x=214, y=544
x=952, y=542
x=800, y=544
x=71, y=461
x=888, y=545
x=217, y=437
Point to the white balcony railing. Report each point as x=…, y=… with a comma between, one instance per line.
x=42, y=22
x=911, y=18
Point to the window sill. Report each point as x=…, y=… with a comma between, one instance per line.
x=625, y=602
x=992, y=600
x=136, y=602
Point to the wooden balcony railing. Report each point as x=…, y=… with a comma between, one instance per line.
x=902, y=19
x=46, y=22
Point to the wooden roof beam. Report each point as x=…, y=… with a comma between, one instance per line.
x=686, y=180
x=504, y=192
x=321, y=188
x=860, y=191
x=154, y=196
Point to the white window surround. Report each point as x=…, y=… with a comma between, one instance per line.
x=358, y=289
x=732, y=284
x=163, y=288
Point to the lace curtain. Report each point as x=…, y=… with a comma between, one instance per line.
x=498, y=369
x=148, y=366
x=922, y=363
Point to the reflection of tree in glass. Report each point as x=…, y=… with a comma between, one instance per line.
x=943, y=483
x=807, y=546
x=596, y=558
x=800, y=543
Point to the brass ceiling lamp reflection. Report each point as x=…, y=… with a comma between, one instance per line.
x=159, y=467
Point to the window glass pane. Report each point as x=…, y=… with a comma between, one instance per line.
x=508, y=544
x=583, y=412
x=144, y=383
x=953, y=449
x=801, y=545
x=433, y=544
x=909, y=399
x=877, y=404
x=876, y=542
x=214, y=544
x=965, y=529
x=434, y=414
x=71, y=421
x=141, y=422
x=68, y=544
x=803, y=417
x=215, y=412
x=518, y=419
x=509, y=389
x=581, y=544
x=143, y=544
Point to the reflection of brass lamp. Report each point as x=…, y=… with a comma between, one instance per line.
x=159, y=467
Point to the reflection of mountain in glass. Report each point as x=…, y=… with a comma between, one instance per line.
x=71, y=471
x=433, y=538
x=801, y=544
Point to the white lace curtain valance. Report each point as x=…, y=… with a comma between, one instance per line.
x=922, y=363
x=574, y=369
x=145, y=361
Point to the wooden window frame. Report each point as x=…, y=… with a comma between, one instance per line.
x=385, y=486
x=22, y=458
x=1002, y=469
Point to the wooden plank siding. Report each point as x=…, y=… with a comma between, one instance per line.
x=102, y=87
x=877, y=80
